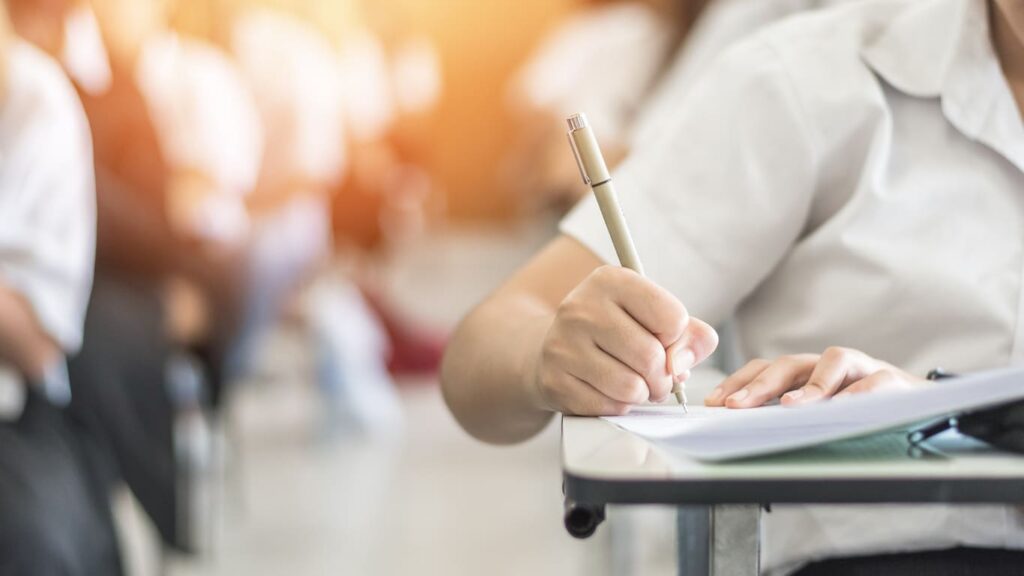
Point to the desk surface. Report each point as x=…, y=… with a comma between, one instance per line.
x=603, y=464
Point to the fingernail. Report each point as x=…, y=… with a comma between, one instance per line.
x=715, y=395
x=740, y=396
x=682, y=361
x=795, y=394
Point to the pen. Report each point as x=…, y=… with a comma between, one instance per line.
x=595, y=175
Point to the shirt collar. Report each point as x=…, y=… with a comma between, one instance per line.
x=914, y=54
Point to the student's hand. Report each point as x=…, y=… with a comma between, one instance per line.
x=804, y=378
x=607, y=347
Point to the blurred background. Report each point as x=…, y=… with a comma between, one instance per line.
x=295, y=202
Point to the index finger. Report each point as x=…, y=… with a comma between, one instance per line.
x=654, y=307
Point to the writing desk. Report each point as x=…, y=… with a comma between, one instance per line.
x=721, y=503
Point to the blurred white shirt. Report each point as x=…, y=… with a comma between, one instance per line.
x=292, y=71
x=207, y=121
x=83, y=55
x=416, y=74
x=369, y=97
x=47, y=202
x=851, y=177
x=603, y=61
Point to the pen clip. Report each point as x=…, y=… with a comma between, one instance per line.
x=579, y=159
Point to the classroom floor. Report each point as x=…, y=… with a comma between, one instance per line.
x=428, y=500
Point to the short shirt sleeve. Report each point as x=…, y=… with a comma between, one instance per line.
x=720, y=193
x=47, y=196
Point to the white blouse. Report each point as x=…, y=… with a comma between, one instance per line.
x=207, y=121
x=721, y=23
x=851, y=177
x=47, y=203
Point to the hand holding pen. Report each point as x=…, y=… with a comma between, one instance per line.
x=682, y=350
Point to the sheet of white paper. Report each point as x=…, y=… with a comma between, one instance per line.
x=723, y=434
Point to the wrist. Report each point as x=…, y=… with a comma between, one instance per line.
x=531, y=371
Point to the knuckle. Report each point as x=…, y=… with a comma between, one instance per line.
x=634, y=390
x=757, y=386
x=606, y=273
x=569, y=308
x=787, y=360
x=652, y=360
x=676, y=312
x=887, y=374
x=574, y=315
x=836, y=352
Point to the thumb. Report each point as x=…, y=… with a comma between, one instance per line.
x=698, y=341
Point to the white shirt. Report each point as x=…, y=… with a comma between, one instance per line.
x=603, y=61
x=207, y=121
x=851, y=177
x=292, y=71
x=83, y=55
x=47, y=200
x=369, y=96
x=721, y=23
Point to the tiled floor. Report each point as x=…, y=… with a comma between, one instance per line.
x=428, y=500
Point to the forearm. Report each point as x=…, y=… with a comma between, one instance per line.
x=23, y=342
x=489, y=370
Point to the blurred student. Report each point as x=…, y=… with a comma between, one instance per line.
x=209, y=135
x=56, y=517
x=798, y=185
x=392, y=82
x=293, y=70
x=162, y=218
x=605, y=59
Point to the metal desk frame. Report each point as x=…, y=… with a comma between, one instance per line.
x=720, y=505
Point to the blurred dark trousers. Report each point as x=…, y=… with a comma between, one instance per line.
x=55, y=517
x=119, y=392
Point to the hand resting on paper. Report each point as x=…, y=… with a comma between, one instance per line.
x=803, y=378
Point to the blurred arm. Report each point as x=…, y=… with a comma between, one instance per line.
x=23, y=342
